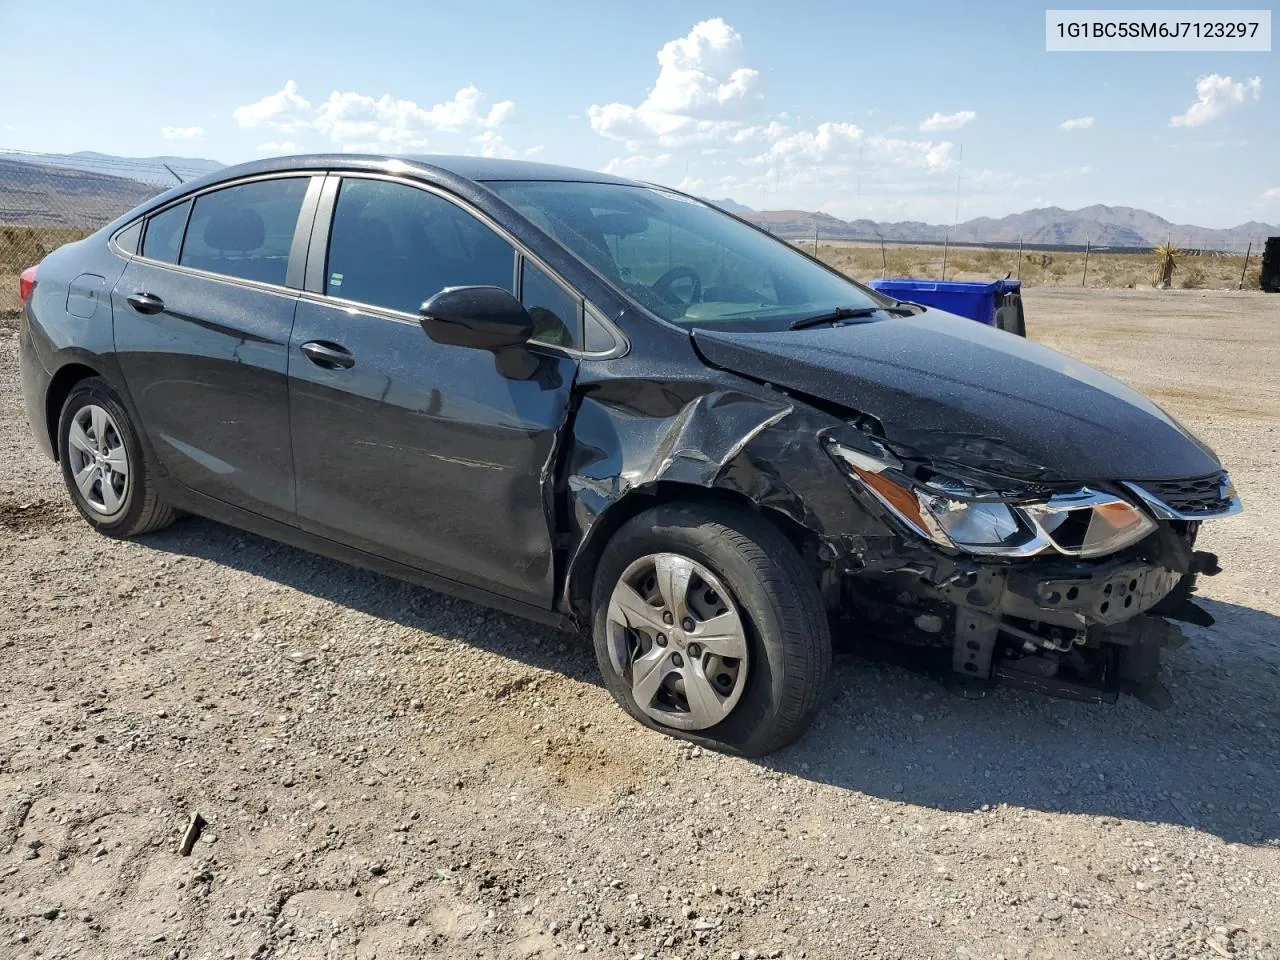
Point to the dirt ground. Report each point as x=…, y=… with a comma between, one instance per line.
x=386, y=772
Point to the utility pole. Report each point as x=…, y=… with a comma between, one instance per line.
x=946, y=239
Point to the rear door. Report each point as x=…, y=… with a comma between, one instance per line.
x=202, y=320
x=406, y=448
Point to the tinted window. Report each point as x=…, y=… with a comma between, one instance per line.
x=554, y=311
x=395, y=246
x=127, y=239
x=682, y=259
x=245, y=231
x=164, y=233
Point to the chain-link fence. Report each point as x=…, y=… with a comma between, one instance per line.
x=48, y=200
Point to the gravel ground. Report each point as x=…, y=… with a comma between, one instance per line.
x=387, y=772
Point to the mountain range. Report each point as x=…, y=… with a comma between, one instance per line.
x=87, y=189
x=1099, y=225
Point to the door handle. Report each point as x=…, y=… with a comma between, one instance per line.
x=328, y=355
x=147, y=303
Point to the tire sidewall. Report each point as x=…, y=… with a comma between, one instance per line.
x=678, y=531
x=96, y=391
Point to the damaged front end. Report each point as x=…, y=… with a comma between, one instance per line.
x=1071, y=591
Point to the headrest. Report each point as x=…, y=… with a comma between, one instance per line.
x=238, y=230
x=368, y=237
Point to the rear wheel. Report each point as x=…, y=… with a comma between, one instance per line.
x=708, y=627
x=103, y=464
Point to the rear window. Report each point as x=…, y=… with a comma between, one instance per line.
x=245, y=231
x=164, y=233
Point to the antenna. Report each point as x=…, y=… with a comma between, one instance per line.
x=171, y=171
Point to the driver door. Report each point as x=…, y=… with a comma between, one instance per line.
x=412, y=450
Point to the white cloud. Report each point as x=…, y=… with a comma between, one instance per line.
x=182, y=133
x=1215, y=95
x=1077, y=123
x=284, y=111
x=845, y=144
x=494, y=145
x=1271, y=195
x=702, y=90
x=356, y=121
x=636, y=164
x=947, y=121
x=534, y=151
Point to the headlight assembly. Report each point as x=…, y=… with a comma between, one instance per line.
x=1082, y=523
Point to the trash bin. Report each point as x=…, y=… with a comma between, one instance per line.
x=1270, y=279
x=997, y=303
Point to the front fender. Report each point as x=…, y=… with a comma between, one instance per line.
x=630, y=437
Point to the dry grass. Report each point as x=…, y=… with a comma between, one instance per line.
x=864, y=261
x=20, y=247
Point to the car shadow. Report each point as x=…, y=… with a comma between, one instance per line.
x=1211, y=761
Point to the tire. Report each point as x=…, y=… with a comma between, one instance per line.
x=117, y=504
x=776, y=688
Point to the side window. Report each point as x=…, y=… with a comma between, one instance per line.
x=127, y=239
x=163, y=239
x=245, y=231
x=556, y=313
x=396, y=246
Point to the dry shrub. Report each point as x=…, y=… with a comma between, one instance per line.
x=1193, y=278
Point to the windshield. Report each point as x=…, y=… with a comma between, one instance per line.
x=682, y=259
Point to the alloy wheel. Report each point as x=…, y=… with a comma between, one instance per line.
x=675, y=634
x=99, y=464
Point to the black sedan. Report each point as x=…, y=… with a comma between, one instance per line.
x=609, y=405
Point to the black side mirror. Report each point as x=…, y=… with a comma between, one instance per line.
x=487, y=318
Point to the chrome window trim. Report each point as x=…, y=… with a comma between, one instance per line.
x=621, y=345
x=140, y=223
x=222, y=277
x=213, y=188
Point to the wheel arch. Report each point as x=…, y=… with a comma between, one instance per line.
x=60, y=387
x=582, y=567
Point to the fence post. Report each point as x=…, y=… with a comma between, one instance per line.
x=1085, y=275
x=1019, y=258
x=1245, y=268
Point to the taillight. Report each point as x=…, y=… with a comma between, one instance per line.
x=26, y=283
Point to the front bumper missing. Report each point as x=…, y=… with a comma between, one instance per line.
x=1070, y=629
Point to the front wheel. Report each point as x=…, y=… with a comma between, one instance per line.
x=103, y=464
x=707, y=626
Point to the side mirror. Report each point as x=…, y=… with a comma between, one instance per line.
x=487, y=318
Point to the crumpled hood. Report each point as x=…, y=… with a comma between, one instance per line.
x=955, y=389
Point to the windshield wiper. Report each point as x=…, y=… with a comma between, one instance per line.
x=848, y=313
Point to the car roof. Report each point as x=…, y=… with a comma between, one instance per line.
x=475, y=169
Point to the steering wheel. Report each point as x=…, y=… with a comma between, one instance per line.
x=662, y=286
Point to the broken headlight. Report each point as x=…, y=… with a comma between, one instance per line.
x=1081, y=523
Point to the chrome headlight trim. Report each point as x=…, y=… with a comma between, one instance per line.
x=923, y=509
x=1041, y=515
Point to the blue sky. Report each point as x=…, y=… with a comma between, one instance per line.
x=857, y=109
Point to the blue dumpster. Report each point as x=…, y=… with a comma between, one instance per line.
x=997, y=303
